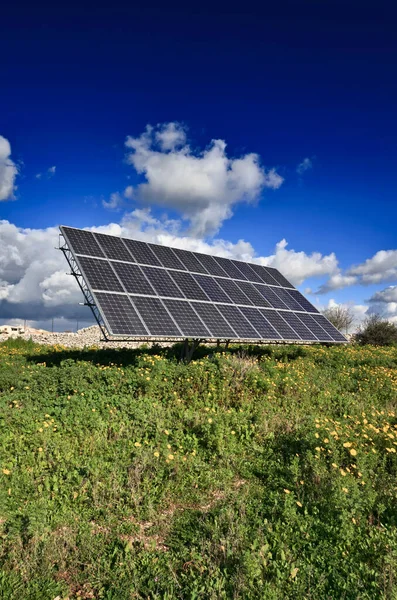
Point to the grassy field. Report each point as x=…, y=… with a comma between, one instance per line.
x=264, y=474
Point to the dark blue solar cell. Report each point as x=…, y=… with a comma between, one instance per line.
x=281, y=280
x=305, y=304
x=186, y=319
x=250, y=290
x=297, y=325
x=212, y=289
x=234, y=292
x=156, y=317
x=210, y=264
x=312, y=324
x=133, y=279
x=230, y=268
x=190, y=261
x=213, y=320
x=245, y=268
x=100, y=274
x=262, y=326
x=142, y=252
x=280, y=325
x=329, y=328
x=113, y=247
x=167, y=257
x=269, y=293
x=188, y=285
x=120, y=315
x=236, y=319
x=82, y=242
x=161, y=281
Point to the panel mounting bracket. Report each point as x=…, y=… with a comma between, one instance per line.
x=189, y=349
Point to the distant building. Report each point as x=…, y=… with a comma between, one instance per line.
x=12, y=329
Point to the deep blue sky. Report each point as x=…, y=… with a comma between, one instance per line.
x=287, y=80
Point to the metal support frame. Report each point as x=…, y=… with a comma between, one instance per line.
x=188, y=350
x=89, y=300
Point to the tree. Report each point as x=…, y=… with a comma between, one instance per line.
x=341, y=317
x=377, y=331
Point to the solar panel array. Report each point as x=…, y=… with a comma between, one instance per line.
x=147, y=290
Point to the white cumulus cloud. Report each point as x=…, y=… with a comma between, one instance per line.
x=384, y=303
x=298, y=266
x=8, y=171
x=380, y=268
x=49, y=173
x=304, y=166
x=202, y=186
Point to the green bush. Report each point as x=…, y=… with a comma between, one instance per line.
x=377, y=332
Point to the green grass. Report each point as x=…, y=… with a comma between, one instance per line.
x=255, y=473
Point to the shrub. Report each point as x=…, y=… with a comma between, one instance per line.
x=378, y=332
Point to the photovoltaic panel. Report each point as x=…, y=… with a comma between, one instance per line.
x=188, y=285
x=120, y=314
x=213, y=320
x=187, y=320
x=212, y=289
x=161, y=281
x=230, y=268
x=305, y=304
x=147, y=290
x=297, y=325
x=234, y=292
x=82, y=242
x=329, y=328
x=167, y=257
x=250, y=290
x=210, y=264
x=190, y=261
x=288, y=300
x=270, y=295
x=113, y=247
x=280, y=325
x=133, y=279
x=142, y=252
x=281, y=280
x=100, y=274
x=264, y=274
x=245, y=268
x=315, y=327
x=236, y=319
x=157, y=319
x=262, y=326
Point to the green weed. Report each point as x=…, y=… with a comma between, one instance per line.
x=255, y=473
